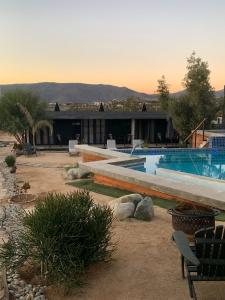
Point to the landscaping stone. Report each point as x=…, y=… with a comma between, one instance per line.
x=145, y=210
x=84, y=174
x=73, y=173
x=123, y=211
x=133, y=198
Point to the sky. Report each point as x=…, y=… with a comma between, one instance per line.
x=128, y=43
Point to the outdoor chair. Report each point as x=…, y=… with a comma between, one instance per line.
x=28, y=149
x=205, y=259
x=111, y=145
x=72, y=147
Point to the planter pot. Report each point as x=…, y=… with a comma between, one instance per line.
x=190, y=219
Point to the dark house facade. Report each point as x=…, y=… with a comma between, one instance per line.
x=97, y=127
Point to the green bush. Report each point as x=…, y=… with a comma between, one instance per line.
x=64, y=234
x=10, y=160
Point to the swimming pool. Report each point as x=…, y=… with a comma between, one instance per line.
x=203, y=162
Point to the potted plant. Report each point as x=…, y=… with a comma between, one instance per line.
x=189, y=217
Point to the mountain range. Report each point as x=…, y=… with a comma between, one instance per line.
x=81, y=92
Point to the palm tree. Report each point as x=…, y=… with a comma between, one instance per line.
x=35, y=124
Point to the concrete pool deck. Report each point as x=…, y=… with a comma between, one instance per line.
x=108, y=170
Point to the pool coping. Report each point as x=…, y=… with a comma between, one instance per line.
x=111, y=167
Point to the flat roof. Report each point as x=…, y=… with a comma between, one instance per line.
x=60, y=115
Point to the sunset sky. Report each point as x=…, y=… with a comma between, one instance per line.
x=121, y=42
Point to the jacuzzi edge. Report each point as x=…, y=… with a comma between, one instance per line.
x=110, y=168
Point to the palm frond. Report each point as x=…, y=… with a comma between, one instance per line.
x=27, y=114
x=43, y=123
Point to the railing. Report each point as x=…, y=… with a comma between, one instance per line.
x=194, y=132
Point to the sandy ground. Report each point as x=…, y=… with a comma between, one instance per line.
x=146, y=264
x=5, y=137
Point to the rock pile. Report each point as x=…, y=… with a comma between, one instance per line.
x=10, y=226
x=7, y=182
x=133, y=206
x=23, y=291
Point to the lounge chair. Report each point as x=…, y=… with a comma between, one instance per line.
x=72, y=147
x=28, y=149
x=138, y=144
x=111, y=145
x=205, y=259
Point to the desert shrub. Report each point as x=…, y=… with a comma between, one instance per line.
x=10, y=160
x=18, y=146
x=63, y=235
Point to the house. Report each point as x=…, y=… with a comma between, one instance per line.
x=96, y=127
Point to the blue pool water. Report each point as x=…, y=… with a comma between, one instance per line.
x=204, y=162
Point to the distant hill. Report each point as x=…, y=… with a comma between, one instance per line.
x=83, y=93
x=219, y=93
x=78, y=92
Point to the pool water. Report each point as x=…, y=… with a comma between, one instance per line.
x=204, y=162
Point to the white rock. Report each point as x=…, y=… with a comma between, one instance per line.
x=124, y=210
x=73, y=173
x=29, y=286
x=30, y=297
x=41, y=297
x=134, y=198
x=22, y=283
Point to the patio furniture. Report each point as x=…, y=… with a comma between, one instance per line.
x=205, y=259
x=72, y=147
x=28, y=149
x=111, y=144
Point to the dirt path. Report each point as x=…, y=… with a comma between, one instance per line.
x=146, y=264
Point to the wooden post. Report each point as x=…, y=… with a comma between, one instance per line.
x=203, y=131
x=195, y=138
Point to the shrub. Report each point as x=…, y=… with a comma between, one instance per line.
x=10, y=160
x=64, y=234
x=17, y=146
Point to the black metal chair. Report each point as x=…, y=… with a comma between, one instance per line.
x=28, y=149
x=205, y=259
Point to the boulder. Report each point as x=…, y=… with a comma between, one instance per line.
x=145, y=210
x=73, y=173
x=85, y=174
x=124, y=210
x=133, y=198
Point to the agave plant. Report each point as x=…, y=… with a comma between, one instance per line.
x=35, y=124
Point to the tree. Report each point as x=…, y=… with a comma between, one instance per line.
x=35, y=124
x=199, y=90
x=182, y=115
x=56, y=107
x=101, y=107
x=144, y=108
x=164, y=94
x=197, y=102
x=12, y=119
